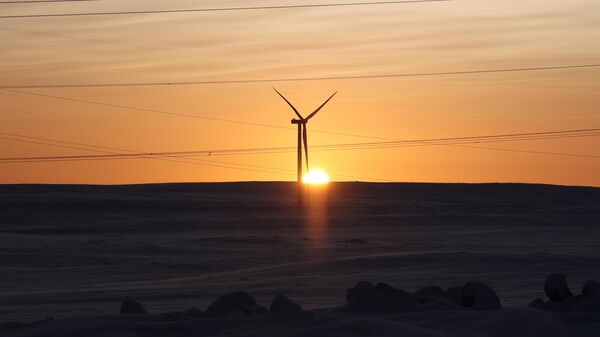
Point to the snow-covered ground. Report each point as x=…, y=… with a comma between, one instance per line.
x=75, y=252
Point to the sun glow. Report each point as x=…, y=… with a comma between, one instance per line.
x=315, y=177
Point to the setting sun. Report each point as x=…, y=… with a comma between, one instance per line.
x=316, y=177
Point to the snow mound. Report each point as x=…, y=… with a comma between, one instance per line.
x=235, y=302
x=365, y=297
x=480, y=296
x=431, y=291
x=283, y=309
x=591, y=290
x=132, y=307
x=556, y=287
x=473, y=295
x=562, y=300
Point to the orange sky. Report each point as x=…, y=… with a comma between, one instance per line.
x=427, y=37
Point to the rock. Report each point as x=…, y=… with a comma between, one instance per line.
x=474, y=295
x=396, y=300
x=435, y=298
x=538, y=303
x=480, y=296
x=132, y=307
x=438, y=303
x=235, y=302
x=556, y=287
x=283, y=309
x=386, y=289
x=282, y=304
x=455, y=294
x=432, y=291
x=363, y=295
x=591, y=290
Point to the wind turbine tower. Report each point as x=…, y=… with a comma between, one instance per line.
x=302, y=137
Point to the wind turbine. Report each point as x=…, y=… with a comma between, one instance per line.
x=302, y=137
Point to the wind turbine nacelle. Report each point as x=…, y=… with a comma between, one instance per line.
x=297, y=121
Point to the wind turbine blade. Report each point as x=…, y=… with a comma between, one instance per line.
x=290, y=104
x=319, y=108
x=305, y=138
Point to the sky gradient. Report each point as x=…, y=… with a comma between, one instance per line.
x=311, y=42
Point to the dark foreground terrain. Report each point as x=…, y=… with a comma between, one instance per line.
x=78, y=251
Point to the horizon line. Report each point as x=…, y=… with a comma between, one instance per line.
x=295, y=182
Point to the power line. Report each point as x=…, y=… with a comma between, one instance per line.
x=527, y=151
x=351, y=146
x=272, y=150
x=421, y=144
x=62, y=146
x=299, y=79
x=103, y=149
x=235, y=121
x=391, y=143
x=195, y=161
x=197, y=116
x=219, y=9
x=270, y=170
x=44, y=141
x=482, y=137
x=41, y=1
x=93, y=148
x=170, y=113
x=66, y=142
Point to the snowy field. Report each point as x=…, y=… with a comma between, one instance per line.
x=74, y=253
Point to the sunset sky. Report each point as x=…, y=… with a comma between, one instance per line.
x=298, y=43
